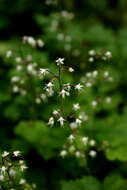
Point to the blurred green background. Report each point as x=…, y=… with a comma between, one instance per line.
x=69, y=28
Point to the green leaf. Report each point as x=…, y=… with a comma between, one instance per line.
x=86, y=183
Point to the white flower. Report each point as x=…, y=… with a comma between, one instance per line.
x=43, y=72
x=5, y=153
x=95, y=73
x=92, y=153
x=92, y=142
x=108, y=54
x=77, y=154
x=71, y=69
x=51, y=121
x=23, y=167
x=85, y=140
x=64, y=93
x=78, y=121
x=15, y=89
x=56, y=112
x=73, y=125
x=43, y=97
x=15, y=79
x=38, y=100
x=76, y=106
x=8, y=53
x=71, y=138
x=18, y=67
x=88, y=84
x=94, y=103
x=78, y=87
x=21, y=161
x=91, y=59
x=50, y=85
x=3, y=169
x=61, y=120
x=108, y=100
x=40, y=43
x=31, y=41
x=63, y=153
x=22, y=181
x=106, y=74
x=49, y=91
x=88, y=74
x=92, y=52
x=18, y=59
x=17, y=153
x=60, y=61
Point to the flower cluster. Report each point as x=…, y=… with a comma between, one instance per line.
x=81, y=147
x=12, y=167
x=94, y=55
x=30, y=40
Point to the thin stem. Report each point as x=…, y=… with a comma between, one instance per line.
x=60, y=88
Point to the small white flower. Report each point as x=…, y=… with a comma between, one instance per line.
x=15, y=79
x=106, y=74
x=78, y=87
x=15, y=89
x=31, y=41
x=92, y=142
x=71, y=138
x=92, y=52
x=56, y=112
x=63, y=153
x=88, y=74
x=61, y=121
x=64, y=93
x=3, y=169
x=71, y=69
x=95, y=73
x=76, y=106
x=108, y=54
x=88, y=84
x=51, y=121
x=23, y=167
x=5, y=153
x=78, y=121
x=85, y=140
x=38, y=100
x=49, y=91
x=18, y=59
x=8, y=53
x=22, y=181
x=43, y=72
x=16, y=153
x=43, y=97
x=40, y=43
x=91, y=59
x=92, y=153
x=50, y=85
x=94, y=103
x=60, y=61
x=77, y=154
x=108, y=100
x=18, y=67
x=21, y=162
x=73, y=125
